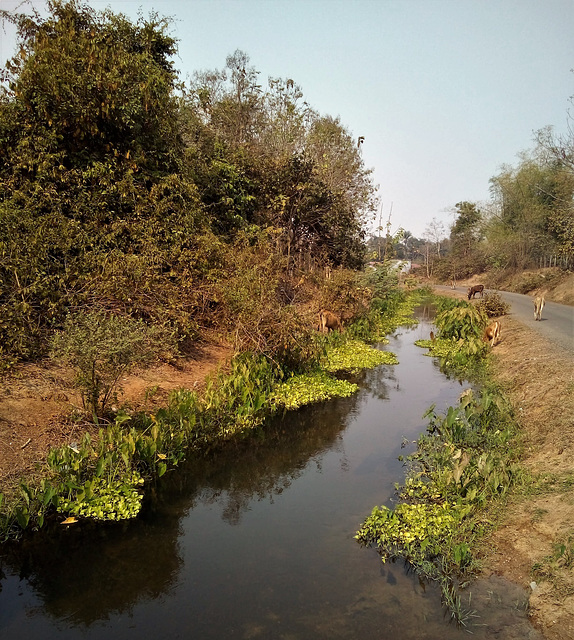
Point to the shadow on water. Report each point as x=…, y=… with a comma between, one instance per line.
x=257, y=541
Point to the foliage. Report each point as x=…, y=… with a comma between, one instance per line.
x=94, y=210
x=255, y=304
x=459, y=345
x=103, y=348
x=534, y=210
x=461, y=322
x=492, y=305
x=387, y=312
x=461, y=465
x=353, y=355
x=102, y=499
x=237, y=400
x=122, y=189
x=307, y=388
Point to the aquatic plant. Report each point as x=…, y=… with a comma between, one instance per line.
x=103, y=499
x=463, y=464
x=303, y=389
x=353, y=355
x=461, y=322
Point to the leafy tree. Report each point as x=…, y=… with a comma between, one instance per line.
x=561, y=156
x=465, y=232
x=534, y=201
x=297, y=171
x=94, y=207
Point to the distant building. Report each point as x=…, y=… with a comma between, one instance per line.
x=402, y=266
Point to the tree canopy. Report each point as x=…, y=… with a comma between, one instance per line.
x=122, y=188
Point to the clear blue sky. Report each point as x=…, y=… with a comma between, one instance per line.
x=444, y=91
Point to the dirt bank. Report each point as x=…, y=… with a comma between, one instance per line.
x=37, y=404
x=527, y=548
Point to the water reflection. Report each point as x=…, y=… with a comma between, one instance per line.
x=257, y=540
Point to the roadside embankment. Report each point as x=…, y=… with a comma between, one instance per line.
x=534, y=546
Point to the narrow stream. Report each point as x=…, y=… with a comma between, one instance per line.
x=257, y=542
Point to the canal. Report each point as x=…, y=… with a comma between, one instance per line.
x=258, y=540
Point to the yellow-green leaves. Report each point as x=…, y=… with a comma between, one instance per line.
x=308, y=388
x=354, y=355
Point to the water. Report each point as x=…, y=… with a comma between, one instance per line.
x=257, y=542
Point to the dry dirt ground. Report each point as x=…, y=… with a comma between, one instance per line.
x=36, y=402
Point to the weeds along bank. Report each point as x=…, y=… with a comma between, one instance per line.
x=464, y=468
x=105, y=478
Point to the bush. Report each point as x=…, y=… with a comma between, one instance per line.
x=492, y=305
x=102, y=348
x=461, y=322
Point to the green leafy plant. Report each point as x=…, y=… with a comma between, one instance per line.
x=461, y=322
x=104, y=347
x=307, y=388
x=462, y=465
x=103, y=499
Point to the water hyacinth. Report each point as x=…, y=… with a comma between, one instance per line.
x=303, y=389
x=103, y=499
x=353, y=355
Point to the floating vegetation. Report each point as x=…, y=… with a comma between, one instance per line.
x=103, y=499
x=300, y=390
x=464, y=464
x=353, y=355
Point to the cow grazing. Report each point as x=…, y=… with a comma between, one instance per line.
x=492, y=333
x=328, y=321
x=472, y=291
x=538, y=306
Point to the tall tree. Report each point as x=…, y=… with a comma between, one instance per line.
x=93, y=207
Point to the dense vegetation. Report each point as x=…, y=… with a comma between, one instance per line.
x=186, y=207
x=464, y=467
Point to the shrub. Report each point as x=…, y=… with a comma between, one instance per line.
x=102, y=348
x=492, y=305
x=461, y=322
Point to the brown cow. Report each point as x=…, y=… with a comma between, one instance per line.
x=328, y=321
x=538, y=306
x=492, y=333
x=478, y=288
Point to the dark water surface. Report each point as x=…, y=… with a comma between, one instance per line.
x=258, y=541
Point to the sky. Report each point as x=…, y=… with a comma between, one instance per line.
x=445, y=92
